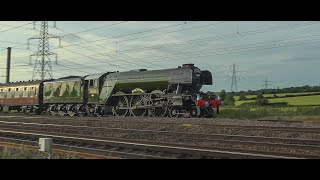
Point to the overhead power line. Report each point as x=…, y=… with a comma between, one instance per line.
x=16, y=27
x=225, y=36
x=130, y=62
x=152, y=35
x=96, y=28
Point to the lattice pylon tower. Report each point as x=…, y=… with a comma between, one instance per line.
x=42, y=63
x=234, y=85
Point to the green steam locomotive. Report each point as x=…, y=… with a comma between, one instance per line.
x=169, y=92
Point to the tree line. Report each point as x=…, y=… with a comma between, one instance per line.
x=305, y=88
x=228, y=97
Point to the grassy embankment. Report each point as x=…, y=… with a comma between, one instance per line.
x=302, y=106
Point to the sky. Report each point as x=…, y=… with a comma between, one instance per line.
x=286, y=53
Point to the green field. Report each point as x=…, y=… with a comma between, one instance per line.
x=268, y=111
x=308, y=105
x=294, y=101
x=279, y=95
x=299, y=101
x=237, y=103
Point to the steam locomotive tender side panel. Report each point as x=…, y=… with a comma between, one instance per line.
x=64, y=96
x=63, y=91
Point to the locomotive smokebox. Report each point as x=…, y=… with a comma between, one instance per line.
x=187, y=65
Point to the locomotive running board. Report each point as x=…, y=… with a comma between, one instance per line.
x=140, y=107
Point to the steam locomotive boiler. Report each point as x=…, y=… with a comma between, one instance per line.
x=156, y=93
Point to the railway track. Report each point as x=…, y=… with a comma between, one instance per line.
x=29, y=142
x=124, y=129
x=100, y=122
x=145, y=149
x=61, y=150
x=180, y=135
x=290, y=144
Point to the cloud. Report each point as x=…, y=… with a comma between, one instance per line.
x=302, y=59
x=281, y=64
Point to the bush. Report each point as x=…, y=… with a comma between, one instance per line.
x=261, y=101
x=254, y=104
x=242, y=97
x=229, y=101
x=278, y=104
x=247, y=104
x=308, y=110
x=259, y=96
x=297, y=95
x=267, y=111
x=223, y=95
x=5, y=154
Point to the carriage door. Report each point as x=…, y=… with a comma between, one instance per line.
x=85, y=91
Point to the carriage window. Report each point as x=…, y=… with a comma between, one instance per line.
x=1, y=93
x=16, y=93
x=91, y=82
x=25, y=92
x=31, y=92
x=9, y=90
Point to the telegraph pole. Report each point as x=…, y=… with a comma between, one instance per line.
x=8, y=64
x=42, y=64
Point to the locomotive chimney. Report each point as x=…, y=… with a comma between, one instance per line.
x=187, y=65
x=8, y=65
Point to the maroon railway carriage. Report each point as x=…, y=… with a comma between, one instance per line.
x=21, y=96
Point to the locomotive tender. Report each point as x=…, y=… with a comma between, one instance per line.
x=168, y=92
